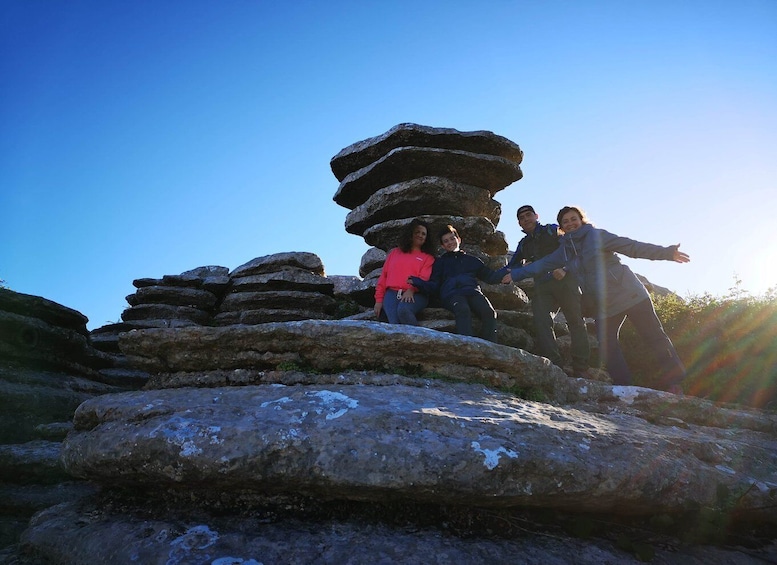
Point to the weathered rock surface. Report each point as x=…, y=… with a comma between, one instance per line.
x=289, y=279
x=473, y=229
x=362, y=153
x=426, y=195
x=443, y=444
x=42, y=309
x=271, y=263
x=406, y=163
x=165, y=312
x=239, y=301
x=90, y=532
x=48, y=366
x=34, y=342
x=32, y=462
x=344, y=344
x=174, y=296
x=372, y=259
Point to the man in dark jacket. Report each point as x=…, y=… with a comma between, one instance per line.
x=552, y=289
x=455, y=279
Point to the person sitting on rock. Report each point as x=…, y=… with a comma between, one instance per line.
x=455, y=277
x=394, y=295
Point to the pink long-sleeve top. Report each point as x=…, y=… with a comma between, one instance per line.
x=398, y=267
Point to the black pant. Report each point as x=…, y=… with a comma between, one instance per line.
x=463, y=306
x=649, y=327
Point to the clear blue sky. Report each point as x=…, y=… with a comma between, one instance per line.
x=144, y=138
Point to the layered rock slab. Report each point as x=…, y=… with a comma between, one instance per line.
x=427, y=195
x=444, y=444
x=84, y=534
x=407, y=163
x=362, y=153
x=346, y=344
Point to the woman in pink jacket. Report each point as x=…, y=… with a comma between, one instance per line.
x=414, y=257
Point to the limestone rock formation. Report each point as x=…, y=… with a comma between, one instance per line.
x=278, y=288
x=362, y=153
x=48, y=367
x=442, y=176
x=300, y=430
x=185, y=299
x=268, y=431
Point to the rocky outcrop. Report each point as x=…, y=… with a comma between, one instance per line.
x=442, y=176
x=278, y=288
x=386, y=185
x=295, y=425
x=269, y=431
x=48, y=367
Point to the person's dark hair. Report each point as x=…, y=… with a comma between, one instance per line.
x=566, y=209
x=406, y=238
x=446, y=230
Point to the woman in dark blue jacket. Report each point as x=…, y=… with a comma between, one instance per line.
x=455, y=279
x=612, y=292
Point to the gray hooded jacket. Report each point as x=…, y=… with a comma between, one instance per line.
x=608, y=285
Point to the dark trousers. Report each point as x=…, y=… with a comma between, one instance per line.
x=462, y=308
x=649, y=327
x=548, y=297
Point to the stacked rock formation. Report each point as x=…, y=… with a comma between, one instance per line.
x=277, y=288
x=47, y=368
x=273, y=288
x=442, y=176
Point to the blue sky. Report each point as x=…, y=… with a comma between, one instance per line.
x=144, y=138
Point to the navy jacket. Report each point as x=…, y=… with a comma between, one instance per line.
x=543, y=241
x=589, y=253
x=456, y=273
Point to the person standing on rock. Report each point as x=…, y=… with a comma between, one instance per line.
x=614, y=291
x=552, y=289
x=455, y=277
x=414, y=257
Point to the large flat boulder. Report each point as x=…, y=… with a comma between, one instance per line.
x=406, y=163
x=362, y=153
x=444, y=444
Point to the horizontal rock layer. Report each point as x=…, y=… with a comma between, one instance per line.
x=427, y=195
x=446, y=444
x=408, y=163
x=362, y=153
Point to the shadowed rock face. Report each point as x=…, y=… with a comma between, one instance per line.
x=42, y=309
x=475, y=230
x=424, y=196
x=362, y=153
x=406, y=163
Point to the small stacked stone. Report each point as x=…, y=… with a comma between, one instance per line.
x=176, y=300
x=282, y=287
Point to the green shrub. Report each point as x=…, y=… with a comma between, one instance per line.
x=728, y=345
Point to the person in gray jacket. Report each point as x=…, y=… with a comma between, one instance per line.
x=612, y=292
